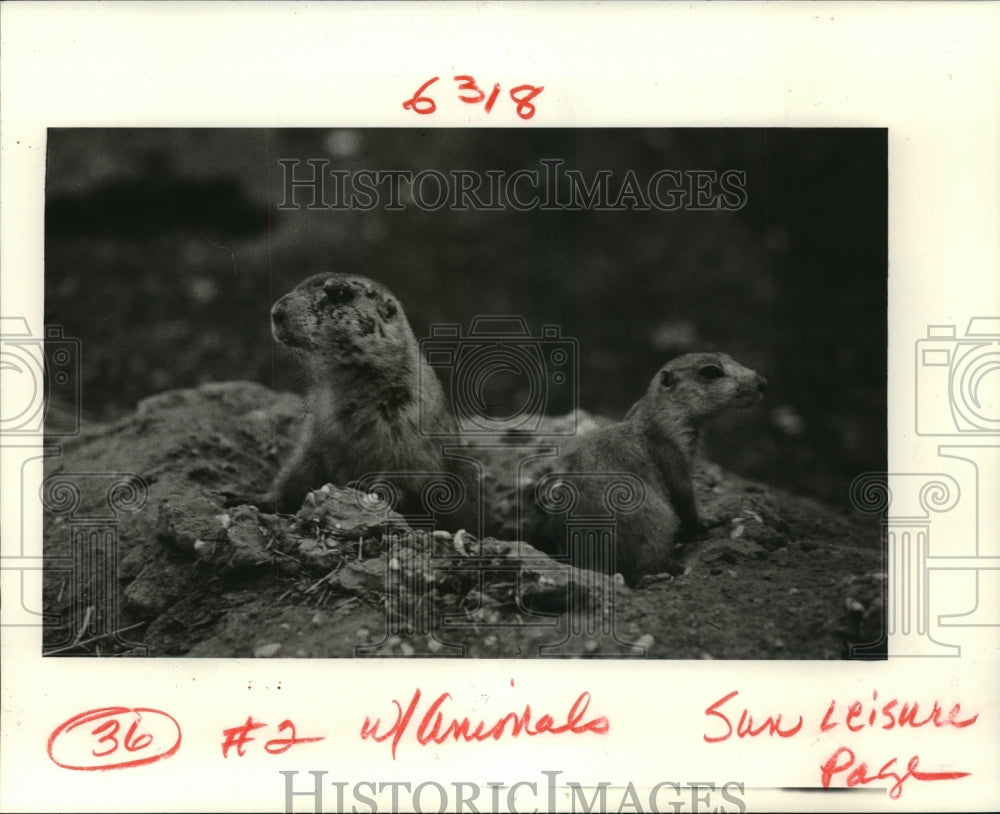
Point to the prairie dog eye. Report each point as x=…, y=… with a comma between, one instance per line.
x=338, y=293
x=388, y=309
x=709, y=372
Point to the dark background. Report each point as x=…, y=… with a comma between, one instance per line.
x=165, y=249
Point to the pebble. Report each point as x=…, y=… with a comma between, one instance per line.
x=645, y=640
x=362, y=633
x=267, y=651
x=406, y=649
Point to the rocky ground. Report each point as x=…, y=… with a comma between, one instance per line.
x=774, y=576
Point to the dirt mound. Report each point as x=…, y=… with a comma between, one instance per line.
x=176, y=572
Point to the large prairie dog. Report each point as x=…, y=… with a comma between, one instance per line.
x=655, y=442
x=369, y=407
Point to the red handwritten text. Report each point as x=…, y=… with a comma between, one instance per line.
x=434, y=727
x=745, y=726
x=851, y=718
x=857, y=717
x=844, y=759
x=470, y=93
x=114, y=738
x=239, y=737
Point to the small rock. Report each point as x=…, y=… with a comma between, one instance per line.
x=131, y=564
x=356, y=577
x=406, y=649
x=653, y=579
x=646, y=640
x=182, y=522
x=267, y=651
x=351, y=514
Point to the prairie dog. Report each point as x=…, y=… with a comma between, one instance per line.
x=656, y=442
x=369, y=407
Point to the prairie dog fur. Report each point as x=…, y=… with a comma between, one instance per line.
x=656, y=442
x=369, y=407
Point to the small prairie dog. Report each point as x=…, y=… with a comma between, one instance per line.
x=656, y=442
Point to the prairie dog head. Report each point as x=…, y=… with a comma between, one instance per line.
x=697, y=386
x=337, y=321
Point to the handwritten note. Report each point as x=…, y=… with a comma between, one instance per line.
x=731, y=719
x=435, y=727
x=469, y=92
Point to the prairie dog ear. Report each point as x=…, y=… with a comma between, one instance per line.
x=667, y=378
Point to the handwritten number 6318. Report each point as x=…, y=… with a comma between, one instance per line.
x=472, y=94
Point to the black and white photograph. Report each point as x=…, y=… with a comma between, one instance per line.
x=494, y=407
x=475, y=393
